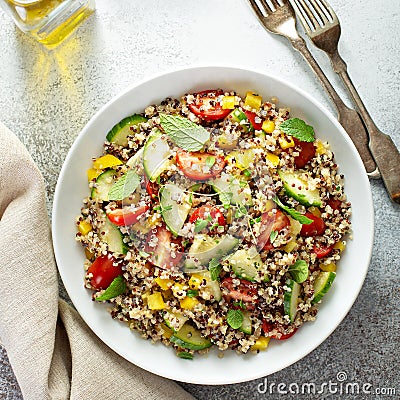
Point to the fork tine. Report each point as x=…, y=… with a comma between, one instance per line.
x=256, y=8
x=321, y=14
x=307, y=19
x=267, y=7
x=275, y=3
x=329, y=10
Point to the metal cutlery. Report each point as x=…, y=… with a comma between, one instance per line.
x=323, y=28
x=280, y=18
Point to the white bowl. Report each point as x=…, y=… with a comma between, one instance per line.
x=72, y=187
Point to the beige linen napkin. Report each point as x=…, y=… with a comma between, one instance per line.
x=53, y=353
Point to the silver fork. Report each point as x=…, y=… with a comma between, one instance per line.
x=280, y=18
x=323, y=28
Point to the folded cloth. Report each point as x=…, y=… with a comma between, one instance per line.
x=53, y=353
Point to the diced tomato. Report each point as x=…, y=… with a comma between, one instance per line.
x=274, y=220
x=158, y=245
x=316, y=228
x=322, y=251
x=251, y=117
x=194, y=165
x=334, y=204
x=306, y=153
x=103, y=271
x=208, y=213
x=152, y=189
x=245, y=291
x=207, y=107
x=126, y=217
x=269, y=326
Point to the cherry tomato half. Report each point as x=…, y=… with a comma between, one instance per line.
x=316, y=228
x=207, y=107
x=246, y=291
x=306, y=153
x=152, y=189
x=274, y=220
x=208, y=213
x=322, y=251
x=269, y=326
x=104, y=272
x=252, y=117
x=161, y=254
x=126, y=217
x=194, y=165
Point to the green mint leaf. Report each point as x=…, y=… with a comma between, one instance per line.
x=247, y=173
x=124, y=186
x=215, y=268
x=272, y=236
x=299, y=271
x=186, y=134
x=239, y=304
x=297, y=128
x=225, y=198
x=234, y=319
x=185, y=355
x=192, y=293
x=293, y=213
x=199, y=225
x=210, y=161
x=240, y=211
x=117, y=287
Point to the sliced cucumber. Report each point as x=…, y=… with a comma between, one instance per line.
x=205, y=248
x=239, y=191
x=120, y=132
x=174, y=321
x=211, y=286
x=322, y=284
x=297, y=187
x=246, y=326
x=238, y=116
x=291, y=299
x=103, y=184
x=175, y=207
x=111, y=234
x=156, y=155
x=245, y=263
x=136, y=159
x=190, y=338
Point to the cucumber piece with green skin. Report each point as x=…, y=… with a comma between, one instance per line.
x=204, y=248
x=190, y=338
x=120, y=132
x=296, y=187
x=103, y=184
x=156, y=155
x=322, y=284
x=238, y=116
x=175, y=206
x=291, y=299
x=245, y=263
x=239, y=191
x=111, y=234
x=246, y=326
x=136, y=159
x=211, y=286
x=174, y=321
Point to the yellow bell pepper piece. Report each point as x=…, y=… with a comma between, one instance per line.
x=93, y=173
x=107, y=161
x=195, y=281
x=89, y=255
x=261, y=343
x=331, y=267
x=155, y=301
x=339, y=246
x=285, y=143
x=319, y=147
x=84, y=227
x=164, y=284
x=289, y=247
x=268, y=126
x=188, y=303
x=315, y=211
x=253, y=100
x=228, y=102
x=273, y=159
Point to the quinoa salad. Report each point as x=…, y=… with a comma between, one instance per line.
x=213, y=220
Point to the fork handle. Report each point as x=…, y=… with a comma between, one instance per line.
x=348, y=118
x=384, y=150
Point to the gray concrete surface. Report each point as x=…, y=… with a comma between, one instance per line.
x=47, y=97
